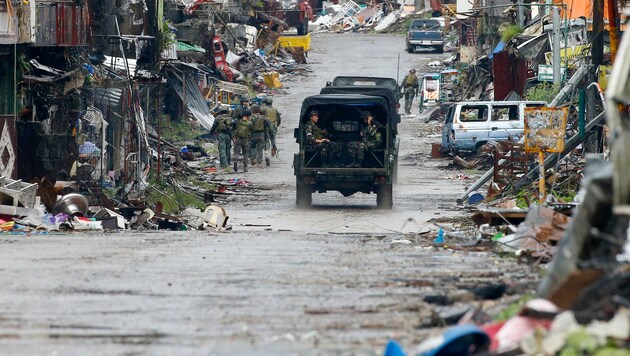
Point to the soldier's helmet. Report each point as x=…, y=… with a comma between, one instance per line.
x=314, y=112
x=365, y=115
x=246, y=113
x=256, y=108
x=269, y=100
x=244, y=99
x=412, y=71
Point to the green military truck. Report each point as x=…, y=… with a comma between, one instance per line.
x=333, y=166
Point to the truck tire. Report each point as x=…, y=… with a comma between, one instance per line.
x=410, y=49
x=385, y=197
x=439, y=49
x=303, y=195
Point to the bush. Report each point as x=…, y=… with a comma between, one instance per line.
x=510, y=32
x=544, y=91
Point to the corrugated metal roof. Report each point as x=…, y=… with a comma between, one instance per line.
x=118, y=64
x=61, y=24
x=195, y=102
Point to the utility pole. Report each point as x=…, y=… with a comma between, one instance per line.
x=613, y=27
x=557, y=74
x=597, y=34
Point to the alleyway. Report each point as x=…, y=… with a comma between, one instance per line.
x=333, y=279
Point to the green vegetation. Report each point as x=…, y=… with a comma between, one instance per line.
x=581, y=343
x=173, y=198
x=513, y=308
x=510, y=32
x=179, y=131
x=544, y=91
x=524, y=197
x=166, y=36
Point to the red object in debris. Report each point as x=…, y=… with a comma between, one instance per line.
x=222, y=189
x=219, y=58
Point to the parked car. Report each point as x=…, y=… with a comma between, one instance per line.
x=425, y=33
x=469, y=125
x=340, y=116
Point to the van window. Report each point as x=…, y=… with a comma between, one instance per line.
x=505, y=113
x=346, y=126
x=473, y=114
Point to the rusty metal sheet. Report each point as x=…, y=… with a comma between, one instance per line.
x=61, y=24
x=510, y=75
x=8, y=147
x=510, y=162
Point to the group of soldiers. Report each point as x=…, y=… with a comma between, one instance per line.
x=318, y=139
x=252, y=129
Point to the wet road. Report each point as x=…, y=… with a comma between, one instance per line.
x=330, y=279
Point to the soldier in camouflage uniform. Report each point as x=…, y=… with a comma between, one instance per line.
x=236, y=114
x=372, y=136
x=316, y=138
x=222, y=128
x=260, y=133
x=241, y=130
x=276, y=119
x=410, y=89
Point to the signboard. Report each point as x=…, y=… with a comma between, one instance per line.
x=545, y=73
x=545, y=129
x=572, y=54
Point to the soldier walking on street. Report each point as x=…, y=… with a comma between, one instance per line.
x=275, y=119
x=239, y=109
x=260, y=132
x=410, y=89
x=242, y=129
x=222, y=128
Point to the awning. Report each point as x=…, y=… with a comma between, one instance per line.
x=185, y=47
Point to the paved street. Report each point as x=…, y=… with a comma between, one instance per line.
x=329, y=280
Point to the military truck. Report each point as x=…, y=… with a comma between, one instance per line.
x=340, y=116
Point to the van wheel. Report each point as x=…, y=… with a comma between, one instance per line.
x=439, y=49
x=303, y=195
x=410, y=49
x=385, y=197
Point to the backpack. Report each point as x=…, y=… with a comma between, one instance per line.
x=259, y=123
x=242, y=129
x=272, y=114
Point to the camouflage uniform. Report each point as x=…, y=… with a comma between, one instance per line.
x=372, y=136
x=410, y=89
x=242, y=129
x=275, y=120
x=221, y=127
x=313, y=132
x=260, y=129
x=357, y=151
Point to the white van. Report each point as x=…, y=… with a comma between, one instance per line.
x=469, y=125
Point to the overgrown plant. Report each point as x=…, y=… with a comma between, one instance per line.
x=166, y=35
x=510, y=32
x=544, y=91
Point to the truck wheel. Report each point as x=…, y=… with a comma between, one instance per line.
x=385, y=197
x=439, y=49
x=410, y=49
x=303, y=195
